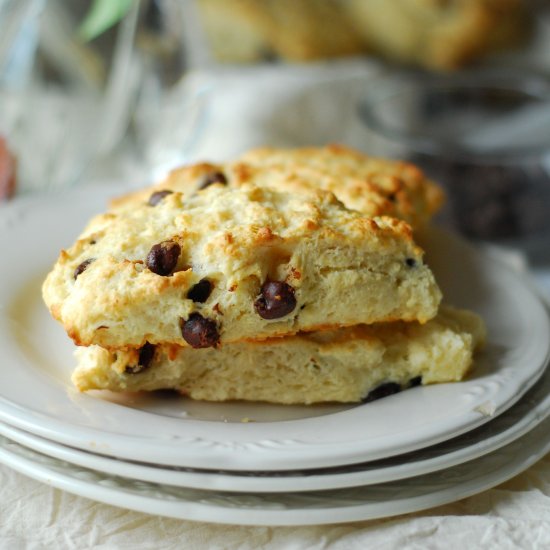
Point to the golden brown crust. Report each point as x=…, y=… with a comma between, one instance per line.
x=370, y=185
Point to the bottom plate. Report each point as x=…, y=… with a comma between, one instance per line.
x=532, y=409
x=320, y=507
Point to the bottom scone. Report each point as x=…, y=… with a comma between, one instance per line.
x=353, y=364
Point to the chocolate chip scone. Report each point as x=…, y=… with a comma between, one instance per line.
x=439, y=34
x=436, y=34
x=351, y=364
x=298, y=30
x=230, y=264
x=370, y=185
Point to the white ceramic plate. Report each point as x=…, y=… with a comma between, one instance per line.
x=36, y=395
x=531, y=410
x=319, y=507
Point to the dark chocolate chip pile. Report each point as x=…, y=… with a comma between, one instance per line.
x=493, y=201
x=200, y=332
x=163, y=257
x=276, y=300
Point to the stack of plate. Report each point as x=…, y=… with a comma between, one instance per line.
x=257, y=463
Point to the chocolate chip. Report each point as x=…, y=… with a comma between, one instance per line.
x=388, y=388
x=157, y=196
x=163, y=257
x=276, y=300
x=213, y=177
x=392, y=197
x=411, y=262
x=146, y=354
x=201, y=291
x=82, y=267
x=199, y=332
x=416, y=381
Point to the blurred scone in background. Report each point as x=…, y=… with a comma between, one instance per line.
x=436, y=34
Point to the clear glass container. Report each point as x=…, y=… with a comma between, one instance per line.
x=120, y=103
x=485, y=137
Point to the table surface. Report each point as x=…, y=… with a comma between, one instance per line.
x=515, y=514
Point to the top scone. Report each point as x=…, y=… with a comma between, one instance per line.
x=370, y=185
x=227, y=263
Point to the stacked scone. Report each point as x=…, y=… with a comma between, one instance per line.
x=251, y=280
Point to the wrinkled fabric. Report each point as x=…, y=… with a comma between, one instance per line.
x=516, y=514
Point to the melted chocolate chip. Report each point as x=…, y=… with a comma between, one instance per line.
x=163, y=257
x=82, y=267
x=416, y=381
x=212, y=177
x=200, y=332
x=201, y=291
x=276, y=300
x=411, y=262
x=157, y=197
x=388, y=388
x=146, y=354
x=392, y=197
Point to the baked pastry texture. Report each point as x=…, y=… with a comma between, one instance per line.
x=228, y=264
x=353, y=364
x=370, y=185
x=299, y=30
x=437, y=34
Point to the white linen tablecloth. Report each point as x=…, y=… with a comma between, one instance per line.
x=513, y=515
x=279, y=106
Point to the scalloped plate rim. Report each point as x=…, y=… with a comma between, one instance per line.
x=312, y=480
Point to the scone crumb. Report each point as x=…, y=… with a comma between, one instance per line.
x=486, y=409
